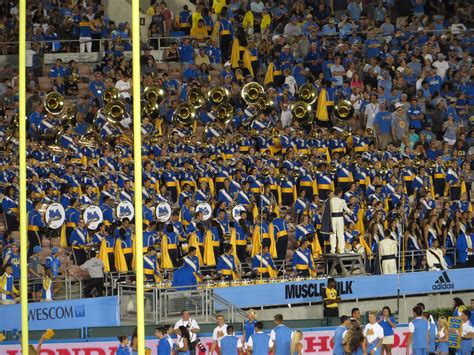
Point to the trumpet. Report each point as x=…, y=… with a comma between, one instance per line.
x=251, y=92
x=54, y=103
x=307, y=93
x=110, y=94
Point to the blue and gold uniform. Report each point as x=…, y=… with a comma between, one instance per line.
x=303, y=261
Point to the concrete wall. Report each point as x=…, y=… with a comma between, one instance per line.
x=406, y=304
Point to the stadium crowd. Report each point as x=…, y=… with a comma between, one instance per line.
x=401, y=162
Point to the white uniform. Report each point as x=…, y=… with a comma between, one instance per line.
x=388, y=254
x=435, y=260
x=338, y=207
x=190, y=324
x=373, y=332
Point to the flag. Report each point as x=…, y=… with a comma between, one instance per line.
x=194, y=242
x=120, y=262
x=235, y=54
x=233, y=242
x=209, y=258
x=256, y=240
x=166, y=262
x=271, y=232
x=248, y=61
x=63, y=239
x=103, y=255
x=321, y=108
x=269, y=75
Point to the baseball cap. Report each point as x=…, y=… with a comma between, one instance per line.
x=398, y=105
x=37, y=249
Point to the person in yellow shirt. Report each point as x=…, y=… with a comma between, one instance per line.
x=331, y=300
x=248, y=22
x=201, y=58
x=217, y=6
x=196, y=16
x=151, y=10
x=200, y=31
x=265, y=23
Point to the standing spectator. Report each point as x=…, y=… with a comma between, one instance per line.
x=419, y=333
x=459, y=307
x=450, y=129
x=370, y=111
x=85, y=35
x=259, y=343
x=432, y=334
x=388, y=324
x=249, y=325
x=373, y=333
x=296, y=346
x=8, y=292
x=164, y=345
x=400, y=126
x=123, y=86
x=467, y=333
x=35, y=272
x=95, y=268
x=281, y=337
x=331, y=300
x=218, y=332
x=354, y=339
x=388, y=249
x=229, y=344
x=190, y=324
x=442, y=334
x=339, y=335
x=382, y=124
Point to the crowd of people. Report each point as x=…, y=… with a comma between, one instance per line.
x=352, y=336
x=379, y=163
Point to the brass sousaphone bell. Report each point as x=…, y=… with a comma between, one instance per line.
x=185, y=114
x=217, y=95
x=110, y=94
x=302, y=113
x=307, y=93
x=153, y=94
x=224, y=112
x=196, y=97
x=114, y=111
x=344, y=110
x=251, y=92
x=54, y=103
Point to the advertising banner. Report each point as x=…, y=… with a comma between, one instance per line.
x=355, y=287
x=72, y=314
x=316, y=341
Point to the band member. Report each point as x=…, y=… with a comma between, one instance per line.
x=10, y=209
x=337, y=206
x=226, y=268
x=72, y=217
x=242, y=232
x=35, y=222
x=263, y=264
x=303, y=263
x=388, y=248
x=280, y=230
x=79, y=241
x=151, y=267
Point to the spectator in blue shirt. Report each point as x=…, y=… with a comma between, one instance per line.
x=373, y=45
x=97, y=86
x=186, y=51
x=434, y=81
x=383, y=124
x=355, y=9
x=415, y=114
x=58, y=71
x=191, y=72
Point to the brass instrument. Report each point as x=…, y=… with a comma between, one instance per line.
x=154, y=93
x=346, y=134
x=447, y=164
x=251, y=92
x=69, y=117
x=87, y=140
x=369, y=132
x=302, y=113
x=224, y=112
x=416, y=162
x=431, y=164
x=75, y=76
x=307, y=93
x=196, y=97
x=221, y=140
x=54, y=103
x=185, y=114
x=344, y=110
x=265, y=172
x=218, y=94
x=114, y=111
x=264, y=103
x=110, y=94
x=151, y=109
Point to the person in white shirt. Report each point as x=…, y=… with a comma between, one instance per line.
x=441, y=66
x=435, y=257
x=123, y=86
x=338, y=207
x=189, y=323
x=373, y=333
x=370, y=111
x=219, y=332
x=290, y=81
x=388, y=248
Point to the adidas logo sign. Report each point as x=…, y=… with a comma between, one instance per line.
x=443, y=282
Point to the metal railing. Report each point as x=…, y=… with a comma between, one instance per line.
x=164, y=304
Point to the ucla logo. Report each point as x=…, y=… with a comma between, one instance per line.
x=163, y=211
x=92, y=216
x=53, y=214
x=204, y=210
x=125, y=211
